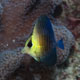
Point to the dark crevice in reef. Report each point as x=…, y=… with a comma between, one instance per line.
x=22, y=72
x=33, y=5
x=57, y=11
x=1, y=26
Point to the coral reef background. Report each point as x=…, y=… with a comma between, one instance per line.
x=16, y=21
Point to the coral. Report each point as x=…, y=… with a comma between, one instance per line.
x=10, y=60
x=61, y=32
x=71, y=16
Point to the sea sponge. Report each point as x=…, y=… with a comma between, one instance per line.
x=10, y=60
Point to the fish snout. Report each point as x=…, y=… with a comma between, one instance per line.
x=24, y=50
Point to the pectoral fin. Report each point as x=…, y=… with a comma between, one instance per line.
x=60, y=44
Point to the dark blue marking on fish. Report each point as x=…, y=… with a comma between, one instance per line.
x=50, y=58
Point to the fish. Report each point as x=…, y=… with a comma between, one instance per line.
x=42, y=44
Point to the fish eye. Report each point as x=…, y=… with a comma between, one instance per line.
x=29, y=44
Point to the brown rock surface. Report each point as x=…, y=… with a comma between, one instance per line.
x=17, y=19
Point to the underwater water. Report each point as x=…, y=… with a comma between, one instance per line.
x=16, y=24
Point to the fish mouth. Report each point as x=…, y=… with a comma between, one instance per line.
x=24, y=51
x=36, y=58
